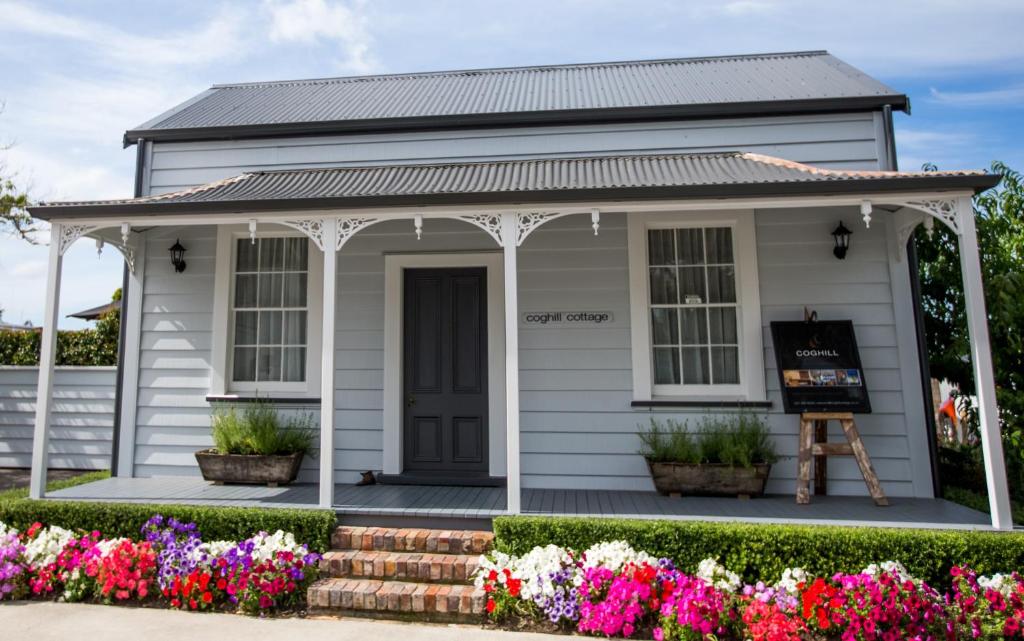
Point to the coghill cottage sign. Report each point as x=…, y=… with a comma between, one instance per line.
x=567, y=318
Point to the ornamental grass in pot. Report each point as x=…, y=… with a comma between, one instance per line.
x=256, y=446
x=727, y=455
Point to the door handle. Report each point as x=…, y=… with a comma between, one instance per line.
x=409, y=402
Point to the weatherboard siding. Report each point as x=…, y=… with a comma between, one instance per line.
x=578, y=427
x=81, y=420
x=846, y=141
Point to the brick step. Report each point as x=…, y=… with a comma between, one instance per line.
x=424, y=567
x=397, y=599
x=381, y=539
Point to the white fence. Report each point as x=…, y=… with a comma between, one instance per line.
x=82, y=420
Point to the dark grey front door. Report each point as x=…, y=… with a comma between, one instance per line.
x=445, y=370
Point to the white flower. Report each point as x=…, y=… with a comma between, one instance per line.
x=791, y=578
x=894, y=567
x=537, y=570
x=1001, y=583
x=715, y=574
x=214, y=549
x=613, y=555
x=266, y=546
x=6, y=529
x=47, y=544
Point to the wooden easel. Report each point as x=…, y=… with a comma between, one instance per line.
x=810, y=422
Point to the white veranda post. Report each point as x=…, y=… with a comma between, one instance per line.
x=981, y=359
x=329, y=239
x=509, y=236
x=47, y=357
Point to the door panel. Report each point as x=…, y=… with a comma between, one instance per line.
x=445, y=370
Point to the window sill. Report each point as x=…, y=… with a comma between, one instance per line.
x=273, y=400
x=683, y=402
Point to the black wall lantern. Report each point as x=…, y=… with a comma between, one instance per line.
x=178, y=256
x=842, y=238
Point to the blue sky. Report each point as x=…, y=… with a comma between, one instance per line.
x=75, y=75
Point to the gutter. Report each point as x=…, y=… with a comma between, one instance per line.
x=973, y=182
x=115, y=442
x=522, y=119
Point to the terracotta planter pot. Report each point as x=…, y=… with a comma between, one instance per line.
x=251, y=469
x=709, y=479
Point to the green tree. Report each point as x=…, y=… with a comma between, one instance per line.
x=14, y=217
x=999, y=217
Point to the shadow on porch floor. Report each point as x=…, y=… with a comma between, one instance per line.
x=487, y=502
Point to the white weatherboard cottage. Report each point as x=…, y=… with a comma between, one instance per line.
x=499, y=274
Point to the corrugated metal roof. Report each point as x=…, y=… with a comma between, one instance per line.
x=639, y=85
x=728, y=172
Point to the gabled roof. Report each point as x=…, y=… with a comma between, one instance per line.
x=728, y=174
x=681, y=87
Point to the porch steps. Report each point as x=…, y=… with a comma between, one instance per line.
x=401, y=573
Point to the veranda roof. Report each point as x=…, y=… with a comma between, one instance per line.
x=624, y=177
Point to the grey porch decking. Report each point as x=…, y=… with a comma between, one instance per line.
x=486, y=502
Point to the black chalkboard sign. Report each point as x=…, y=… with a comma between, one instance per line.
x=819, y=367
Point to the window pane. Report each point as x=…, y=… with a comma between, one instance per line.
x=719, y=245
x=294, y=366
x=726, y=365
x=270, y=328
x=296, y=252
x=691, y=286
x=244, y=368
x=695, y=326
x=664, y=289
x=661, y=250
x=294, y=290
x=665, y=326
x=268, y=364
x=245, y=290
x=270, y=290
x=691, y=246
x=247, y=255
x=271, y=254
x=723, y=325
x=695, y=366
x=294, y=328
x=245, y=328
x=722, y=284
x=666, y=365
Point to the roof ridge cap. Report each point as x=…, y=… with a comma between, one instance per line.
x=507, y=69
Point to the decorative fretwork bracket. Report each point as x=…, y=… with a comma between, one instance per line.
x=311, y=227
x=944, y=210
x=69, y=233
x=490, y=223
x=348, y=226
x=528, y=222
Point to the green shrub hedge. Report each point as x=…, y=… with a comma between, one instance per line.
x=96, y=346
x=216, y=523
x=762, y=552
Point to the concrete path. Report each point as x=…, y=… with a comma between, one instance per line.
x=47, y=621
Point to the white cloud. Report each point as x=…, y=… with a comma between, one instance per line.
x=740, y=7
x=220, y=37
x=1012, y=95
x=311, y=21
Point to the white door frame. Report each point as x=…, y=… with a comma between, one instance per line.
x=394, y=267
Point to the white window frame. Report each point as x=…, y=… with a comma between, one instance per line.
x=751, y=387
x=223, y=319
